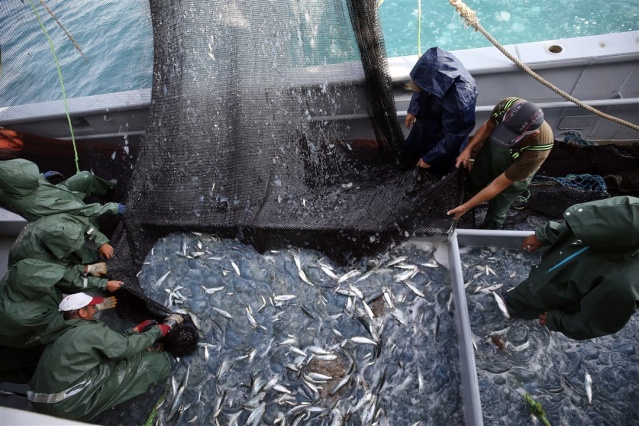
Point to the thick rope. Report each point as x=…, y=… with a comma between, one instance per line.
x=471, y=19
x=64, y=92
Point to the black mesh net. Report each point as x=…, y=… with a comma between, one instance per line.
x=247, y=138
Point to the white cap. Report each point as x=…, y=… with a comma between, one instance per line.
x=77, y=301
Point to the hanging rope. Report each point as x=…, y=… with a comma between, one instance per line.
x=419, y=28
x=64, y=92
x=471, y=19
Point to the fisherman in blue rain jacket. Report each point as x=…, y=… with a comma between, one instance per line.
x=441, y=113
x=587, y=284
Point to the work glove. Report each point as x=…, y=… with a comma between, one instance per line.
x=51, y=174
x=121, y=208
x=173, y=320
x=144, y=326
x=97, y=269
x=164, y=328
x=107, y=303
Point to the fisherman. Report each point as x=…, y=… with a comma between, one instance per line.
x=29, y=296
x=520, y=141
x=87, y=368
x=63, y=239
x=27, y=193
x=441, y=113
x=587, y=283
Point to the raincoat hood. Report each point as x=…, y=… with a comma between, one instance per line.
x=19, y=177
x=611, y=224
x=58, y=326
x=31, y=279
x=62, y=239
x=436, y=71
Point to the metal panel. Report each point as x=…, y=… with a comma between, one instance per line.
x=468, y=368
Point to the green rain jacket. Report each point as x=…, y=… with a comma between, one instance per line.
x=30, y=195
x=29, y=301
x=60, y=239
x=87, y=368
x=588, y=279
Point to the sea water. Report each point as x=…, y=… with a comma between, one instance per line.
x=116, y=38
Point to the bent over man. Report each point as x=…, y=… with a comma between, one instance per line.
x=513, y=144
x=87, y=368
x=587, y=284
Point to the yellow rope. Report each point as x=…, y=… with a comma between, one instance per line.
x=419, y=28
x=471, y=19
x=64, y=92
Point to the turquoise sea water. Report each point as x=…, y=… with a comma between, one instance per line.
x=509, y=21
x=116, y=37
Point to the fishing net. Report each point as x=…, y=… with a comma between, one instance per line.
x=247, y=136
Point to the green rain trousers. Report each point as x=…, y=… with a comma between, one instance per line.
x=28, y=303
x=27, y=193
x=492, y=161
x=587, y=282
x=87, y=368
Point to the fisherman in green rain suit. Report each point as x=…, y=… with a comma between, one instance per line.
x=29, y=296
x=60, y=239
x=87, y=368
x=512, y=145
x=27, y=193
x=587, y=284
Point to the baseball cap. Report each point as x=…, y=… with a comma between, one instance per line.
x=77, y=301
x=521, y=119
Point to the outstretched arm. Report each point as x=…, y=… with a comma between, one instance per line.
x=500, y=183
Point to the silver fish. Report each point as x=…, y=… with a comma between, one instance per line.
x=235, y=268
x=341, y=384
x=161, y=280
x=284, y=297
x=317, y=377
x=365, y=340
x=348, y=275
x=502, y=305
x=406, y=275
x=256, y=416
x=222, y=312
x=414, y=289
x=211, y=290
x=588, y=383
x=396, y=261
x=251, y=318
x=328, y=272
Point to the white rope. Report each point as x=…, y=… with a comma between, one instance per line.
x=471, y=19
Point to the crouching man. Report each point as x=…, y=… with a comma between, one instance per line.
x=87, y=368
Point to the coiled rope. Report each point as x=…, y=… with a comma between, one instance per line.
x=471, y=20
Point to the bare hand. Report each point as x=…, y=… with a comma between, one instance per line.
x=409, y=120
x=106, y=250
x=531, y=243
x=458, y=211
x=423, y=164
x=113, y=285
x=542, y=319
x=463, y=159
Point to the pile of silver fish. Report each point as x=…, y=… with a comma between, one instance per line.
x=590, y=382
x=289, y=337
